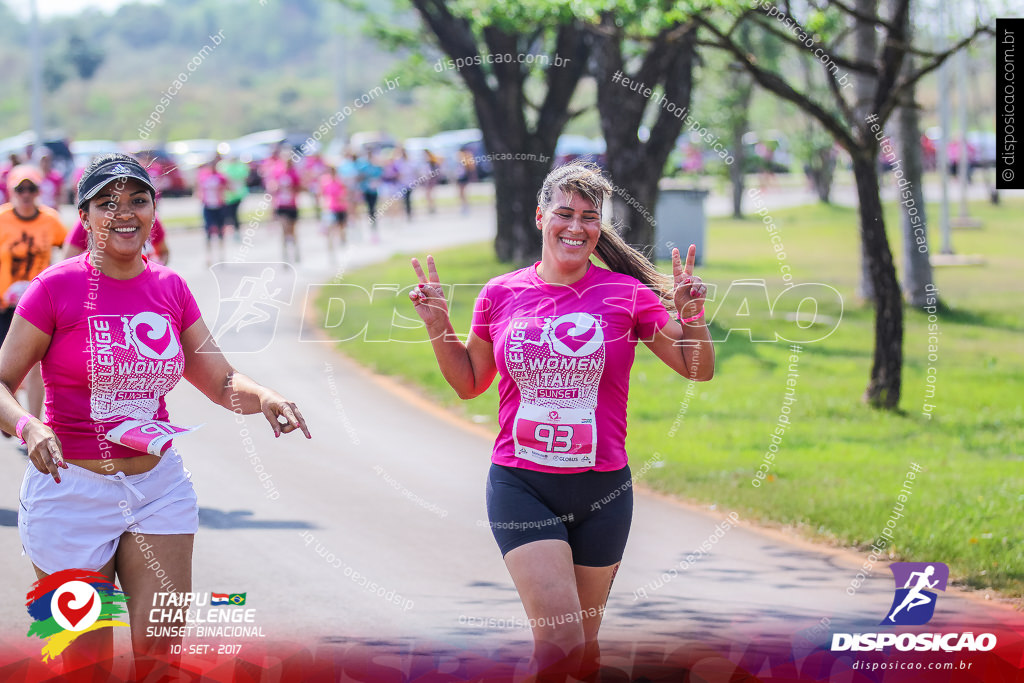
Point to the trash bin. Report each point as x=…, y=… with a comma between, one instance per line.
x=680, y=220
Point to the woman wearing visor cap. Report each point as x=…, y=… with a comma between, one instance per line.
x=115, y=332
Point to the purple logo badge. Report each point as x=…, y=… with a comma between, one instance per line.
x=914, y=602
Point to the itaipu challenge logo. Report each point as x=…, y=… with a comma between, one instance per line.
x=68, y=603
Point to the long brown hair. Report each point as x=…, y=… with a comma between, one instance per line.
x=586, y=179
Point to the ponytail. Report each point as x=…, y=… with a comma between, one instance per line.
x=622, y=258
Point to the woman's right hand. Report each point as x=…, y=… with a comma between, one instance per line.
x=44, y=450
x=428, y=298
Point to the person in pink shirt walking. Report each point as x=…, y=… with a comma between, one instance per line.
x=52, y=182
x=562, y=334
x=334, y=197
x=212, y=186
x=284, y=185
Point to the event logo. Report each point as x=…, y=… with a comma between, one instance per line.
x=914, y=604
x=574, y=334
x=248, y=316
x=71, y=602
x=151, y=335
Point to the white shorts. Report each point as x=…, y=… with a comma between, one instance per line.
x=77, y=523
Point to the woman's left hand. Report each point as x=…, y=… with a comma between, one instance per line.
x=275, y=407
x=689, y=290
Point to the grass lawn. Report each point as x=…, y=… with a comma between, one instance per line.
x=840, y=465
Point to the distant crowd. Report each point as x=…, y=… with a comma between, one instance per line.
x=366, y=183
x=340, y=193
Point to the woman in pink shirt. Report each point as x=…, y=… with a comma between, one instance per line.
x=561, y=334
x=212, y=185
x=49, y=189
x=334, y=196
x=284, y=186
x=115, y=332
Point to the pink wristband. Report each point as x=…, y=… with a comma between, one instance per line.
x=22, y=421
x=691, y=319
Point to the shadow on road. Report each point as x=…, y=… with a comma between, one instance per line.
x=236, y=519
x=208, y=517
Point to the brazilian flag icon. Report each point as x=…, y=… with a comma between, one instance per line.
x=237, y=598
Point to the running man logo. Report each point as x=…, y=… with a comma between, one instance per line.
x=914, y=602
x=252, y=296
x=68, y=603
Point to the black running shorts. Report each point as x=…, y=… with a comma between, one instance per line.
x=591, y=511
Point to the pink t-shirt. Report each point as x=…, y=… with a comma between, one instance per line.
x=563, y=355
x=312, y=168
x=115, y=349
x=285, y=186
x=212, y=186
x=333, y=192
x=49, y=190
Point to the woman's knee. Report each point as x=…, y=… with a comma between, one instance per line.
x=563, y=632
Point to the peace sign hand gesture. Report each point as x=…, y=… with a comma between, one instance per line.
x=428, y=298
x=689, y=290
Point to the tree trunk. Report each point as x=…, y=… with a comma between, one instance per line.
x=822, y=171
x=633, y=205
x=516, y=184
x=917, y=267
x=883, y=390
x=744, y=89
x=865, y=49
x=506, y=118
x=636, y=167
x=636, y=188
x=516, y=180
x=820, y=162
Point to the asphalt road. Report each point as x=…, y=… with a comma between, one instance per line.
x=392, y=489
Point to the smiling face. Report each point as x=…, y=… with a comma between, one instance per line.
x=120, y=218
x=571, y=227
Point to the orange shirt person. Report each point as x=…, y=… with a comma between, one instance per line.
x=28, y=234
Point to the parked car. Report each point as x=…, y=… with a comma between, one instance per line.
x=373, y=142
x=334, y=152
x=571, y=147
x=167, y=178
x=84, y=151
x=448, y=144
x=260, y=145
x=63, y=160
x=189, y=155
x=60, y=152
x=16, y=144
